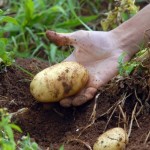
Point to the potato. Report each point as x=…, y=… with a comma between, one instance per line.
x=113, y=139
x=58, y=81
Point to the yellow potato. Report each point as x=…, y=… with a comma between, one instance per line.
x=58, y=81
x=113, y=139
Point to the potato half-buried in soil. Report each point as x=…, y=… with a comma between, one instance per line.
x=58, y=81
x=113, y=139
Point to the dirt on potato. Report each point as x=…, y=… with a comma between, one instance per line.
x=123, y=101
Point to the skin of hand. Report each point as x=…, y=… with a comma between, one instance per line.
x=99, y=52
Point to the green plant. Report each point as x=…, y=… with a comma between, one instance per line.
x=61, y=147
x=31, y=18
x=126, y=68
x=6, y=131
x=123, y=10
x=34, y=17
x=7, y=141
x=26, y=144
x=6, y=56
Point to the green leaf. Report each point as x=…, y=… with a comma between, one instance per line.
x=9, y=132
x=36, y=49
x=57, y=9
x=24, y=70
x=5, y=56
x=32, y=34
x=8, y=19
x=27, y=144
x=39, y=4
x=125, y=16
x=1, y=12
x=9, y=27
x=53, y=49
x=7, y=145
x=62, y=147
x=17, y=128
x=34, y=146
x=75, y=22
x=131, y=66
x=70, y=3
x=121, y=58
x=29, y=11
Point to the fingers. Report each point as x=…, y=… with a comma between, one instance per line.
x=80, y=99
x=84, y=97
x=60, y=39
x=67, y=102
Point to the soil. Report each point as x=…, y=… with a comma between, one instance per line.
x=55, y=126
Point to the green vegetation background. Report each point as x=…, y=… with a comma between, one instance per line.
x=23, y=24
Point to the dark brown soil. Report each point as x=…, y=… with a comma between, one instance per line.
x=56, y=126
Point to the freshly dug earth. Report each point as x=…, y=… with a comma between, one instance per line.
x=73, y=127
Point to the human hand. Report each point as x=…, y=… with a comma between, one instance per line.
x=98, y=52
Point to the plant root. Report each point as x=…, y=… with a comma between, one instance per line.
x=147, y=137
x=20, y=112
x=81, y=142
x=132, y=118
x=125, y=122
x=92, y=117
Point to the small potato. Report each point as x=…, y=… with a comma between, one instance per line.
x=113, y=139
x=58, y=81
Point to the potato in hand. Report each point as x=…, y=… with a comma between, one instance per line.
x=59, y=81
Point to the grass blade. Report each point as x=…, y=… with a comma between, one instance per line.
x=75, y=15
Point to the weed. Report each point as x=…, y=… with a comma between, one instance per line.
x=26, y=144
x=121, y=13
x=7, y=141
x=34, y=17
x=126, y=68
x=24, y=70
x=6, y=57
x=6, y=131
x=61, y=147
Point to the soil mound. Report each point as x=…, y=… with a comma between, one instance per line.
x=121, y=102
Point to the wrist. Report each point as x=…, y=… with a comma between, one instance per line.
x=126, y=40
x=131, y=33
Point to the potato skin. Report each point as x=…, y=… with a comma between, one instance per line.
x=113, y=139
x=58, y=81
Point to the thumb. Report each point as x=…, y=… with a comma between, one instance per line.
x=61, y=39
